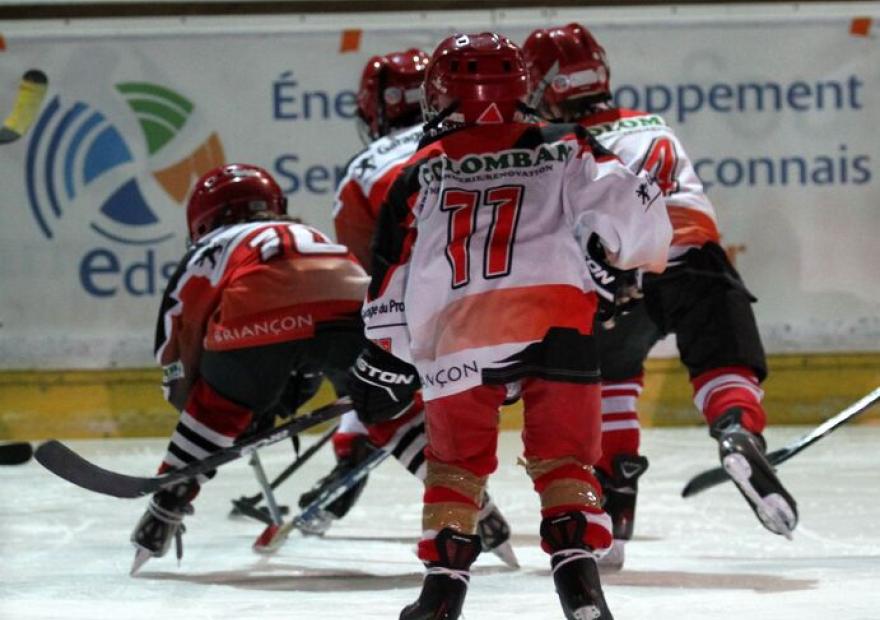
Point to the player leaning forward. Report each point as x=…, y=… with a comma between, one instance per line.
x=700, y=297
x=256, y=303
x=479, y=281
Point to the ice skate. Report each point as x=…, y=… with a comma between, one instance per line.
x=575, y=571
x=446, y=580
x=494, y=532
x=318, y=524
x=620, y=491
x=361, y=449
x=743, y=456
x=161, y=523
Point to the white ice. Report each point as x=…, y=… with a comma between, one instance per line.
x=66, y=555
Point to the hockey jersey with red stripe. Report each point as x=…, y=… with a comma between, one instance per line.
x=479, y=248
x=248, y=285
x=644, y=142
x=362, y=190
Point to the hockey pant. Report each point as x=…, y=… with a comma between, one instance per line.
x=561, y=438
x=702, y=301
x=237, y=387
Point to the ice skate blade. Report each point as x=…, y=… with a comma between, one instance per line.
x=141, y=556
x=505, y=552
x=613, y=560
x=771, y=510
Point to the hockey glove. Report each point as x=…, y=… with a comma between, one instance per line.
x=381, y=386
x=301, y=386
x=618, y=289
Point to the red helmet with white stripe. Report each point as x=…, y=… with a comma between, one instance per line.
x=389, y=96
x=482, y=75
x=566, y=63
x=231, y=193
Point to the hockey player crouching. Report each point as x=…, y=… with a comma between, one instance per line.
x=390, y=119
x=700, y=297
x=256, y=300
x=481, y=242
x=389, y=122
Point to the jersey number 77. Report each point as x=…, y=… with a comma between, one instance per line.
x=505, y=202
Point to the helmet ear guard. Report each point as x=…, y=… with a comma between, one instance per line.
x=388, y=96
x=569, y=71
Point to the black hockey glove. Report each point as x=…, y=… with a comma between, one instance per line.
x=381, y=386
x=618, y=289
x=301, y=386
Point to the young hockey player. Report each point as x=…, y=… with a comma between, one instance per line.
x=390, y=117
x=479, y=289
x=256, y=299
x=700, y=297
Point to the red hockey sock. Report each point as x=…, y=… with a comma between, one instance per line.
x=721, y=389
x=620, y=420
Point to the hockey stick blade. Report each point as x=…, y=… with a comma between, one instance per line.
x=67, y=464
x=31, y=92
x=273, y=537
x=15, y=453
x=715, y=476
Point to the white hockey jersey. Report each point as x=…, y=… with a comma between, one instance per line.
x=644, y=142
x=479, y=259
x=360, y=194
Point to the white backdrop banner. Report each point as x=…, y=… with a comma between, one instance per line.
x=779, y=112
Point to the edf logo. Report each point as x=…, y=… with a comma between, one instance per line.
x=80, y=166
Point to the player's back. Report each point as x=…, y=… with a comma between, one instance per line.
x=643, y=141
x=481, y=227
x=257, y=283
x=490, y=214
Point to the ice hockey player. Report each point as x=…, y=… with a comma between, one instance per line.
x=256, y=300
x=390, y=120
x=479, y=288
x=700, y=297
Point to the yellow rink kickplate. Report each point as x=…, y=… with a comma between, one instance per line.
x=801, y=389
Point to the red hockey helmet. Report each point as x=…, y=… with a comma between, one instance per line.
x=390, y=93
x=231, y=193
x=483, y=74
x=566, y=63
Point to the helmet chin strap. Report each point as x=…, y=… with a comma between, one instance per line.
x=381, y=111
x=529, y=112
x=434, y=124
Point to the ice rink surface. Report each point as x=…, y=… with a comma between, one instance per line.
x=66, y=555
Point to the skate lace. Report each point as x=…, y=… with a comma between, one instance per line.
x=569, y=555
x=461, y=575
x=171, y=517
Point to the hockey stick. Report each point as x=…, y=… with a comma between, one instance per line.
x=274, y=511
x=713, y=477
x=273, y=536
x=247, y=505
x=67, y=464
x=15, y=453
x=31, y=91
